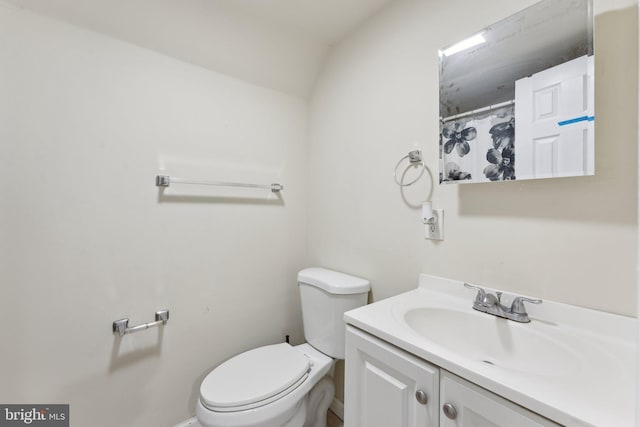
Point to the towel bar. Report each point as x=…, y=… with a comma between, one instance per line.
x=122, y=326
x=166, y=181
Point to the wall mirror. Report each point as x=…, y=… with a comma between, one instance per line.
x=516, y=98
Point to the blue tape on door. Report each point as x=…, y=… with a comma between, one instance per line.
x=576, y=120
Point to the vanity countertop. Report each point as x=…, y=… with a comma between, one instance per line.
x=573, y=365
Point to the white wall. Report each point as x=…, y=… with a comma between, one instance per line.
x=570, y=240
x=86, y=122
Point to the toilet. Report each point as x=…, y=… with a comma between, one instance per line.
x=282, y=385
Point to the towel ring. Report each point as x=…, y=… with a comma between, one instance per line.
x=414, y=157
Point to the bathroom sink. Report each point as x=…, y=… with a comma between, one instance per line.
x=573, y=365
x=495, y=341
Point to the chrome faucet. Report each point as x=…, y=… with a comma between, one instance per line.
x=491, y=304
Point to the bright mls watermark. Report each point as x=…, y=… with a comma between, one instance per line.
x=34, y=415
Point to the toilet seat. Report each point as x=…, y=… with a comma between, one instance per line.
x=288, y=408
x=254, y=378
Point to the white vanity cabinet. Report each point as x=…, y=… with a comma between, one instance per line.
x=386, y=386
x=463, y=404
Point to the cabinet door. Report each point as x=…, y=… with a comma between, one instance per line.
x=477, y=407
x=381, y=383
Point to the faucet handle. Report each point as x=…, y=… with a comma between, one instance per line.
x=480, y=296
x=517, y=306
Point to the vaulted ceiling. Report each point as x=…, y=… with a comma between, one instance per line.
x=279, y=44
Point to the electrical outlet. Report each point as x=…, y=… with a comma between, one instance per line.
x=435, y=231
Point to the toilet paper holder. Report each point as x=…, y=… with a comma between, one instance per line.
x=122, y=326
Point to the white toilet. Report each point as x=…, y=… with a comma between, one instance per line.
x=281, y=385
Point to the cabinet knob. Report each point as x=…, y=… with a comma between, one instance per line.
x=450, y=411
x=421, y=397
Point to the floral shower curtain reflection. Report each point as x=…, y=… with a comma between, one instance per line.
x=478, y=148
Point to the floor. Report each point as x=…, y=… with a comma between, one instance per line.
x=333, y=420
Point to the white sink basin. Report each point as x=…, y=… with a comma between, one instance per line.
x=495, y=341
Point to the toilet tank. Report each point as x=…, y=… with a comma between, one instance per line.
x=325, y=296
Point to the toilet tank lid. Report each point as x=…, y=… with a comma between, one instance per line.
x=333, y=282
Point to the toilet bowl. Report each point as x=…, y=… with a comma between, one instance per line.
x=281, y=385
